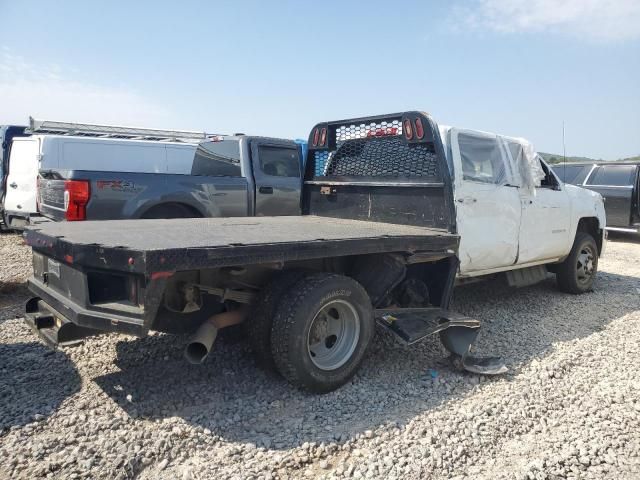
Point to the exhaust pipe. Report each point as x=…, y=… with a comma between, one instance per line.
x=201, y=344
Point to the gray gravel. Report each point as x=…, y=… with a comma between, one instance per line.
x=120, y=407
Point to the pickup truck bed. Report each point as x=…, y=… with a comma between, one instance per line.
x=148, y=246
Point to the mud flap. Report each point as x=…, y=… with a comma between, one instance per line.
x=457, y=334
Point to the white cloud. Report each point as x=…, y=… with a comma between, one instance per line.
x=599, y=20
x=47, y=91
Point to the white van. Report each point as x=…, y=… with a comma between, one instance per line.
x=22, y=179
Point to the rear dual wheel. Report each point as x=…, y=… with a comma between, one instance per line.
x=321, y=328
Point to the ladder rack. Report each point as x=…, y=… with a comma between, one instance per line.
x=114, y=131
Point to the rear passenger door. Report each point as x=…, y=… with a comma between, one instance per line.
x=615, y=183
x=487, y=206
x=277, y=174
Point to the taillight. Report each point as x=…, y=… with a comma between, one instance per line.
x=323, y=136
x=408, y=129
x=419, y=129
x=316, y=135
x=76, y=197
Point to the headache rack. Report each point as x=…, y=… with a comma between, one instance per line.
x=400, y=147
x=114, y=131
x=386, y=168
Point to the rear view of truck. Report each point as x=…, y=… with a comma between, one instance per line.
x=376, y=244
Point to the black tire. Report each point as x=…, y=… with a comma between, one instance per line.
x=577, y=273
x=299, y=310
x=170, y=210
x=258, y=324
x=5, y=227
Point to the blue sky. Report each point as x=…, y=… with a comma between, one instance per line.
x=516, y=67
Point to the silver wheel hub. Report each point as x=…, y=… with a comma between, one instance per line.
x=585, y=265
x=333, y=335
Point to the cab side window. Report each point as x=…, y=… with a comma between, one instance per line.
x=279, y=161
x=217, y=159
x=482, y=159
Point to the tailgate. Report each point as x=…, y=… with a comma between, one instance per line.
x=51, y=198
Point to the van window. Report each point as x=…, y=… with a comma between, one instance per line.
x=482, y=159
x=613, y=175
x=279, y=161
x=217, y=159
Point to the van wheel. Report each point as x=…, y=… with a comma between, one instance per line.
x=173, y=210
x=578, y=272
x=258, y=324
x=321, y=331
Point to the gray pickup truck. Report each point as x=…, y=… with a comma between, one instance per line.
x=225, y=176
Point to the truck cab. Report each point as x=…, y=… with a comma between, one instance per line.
x=513, y=213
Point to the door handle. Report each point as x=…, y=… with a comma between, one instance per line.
x=13, y=185
x=467, y=200
x=266, y=190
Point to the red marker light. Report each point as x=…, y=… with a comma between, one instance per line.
x=408, y=130
x=323, y=136
x=316, y=134
x=419, y=129
x=159, y=275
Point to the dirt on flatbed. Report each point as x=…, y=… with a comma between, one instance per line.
x=119, y=407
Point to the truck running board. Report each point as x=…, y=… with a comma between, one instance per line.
x=457, y=334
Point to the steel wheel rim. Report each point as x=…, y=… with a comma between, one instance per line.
x=586, y=264
x=333, y=335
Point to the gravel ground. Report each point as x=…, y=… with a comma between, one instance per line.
x=120, y=407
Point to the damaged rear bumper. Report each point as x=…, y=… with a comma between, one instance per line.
x=52, y=328
x=457, y=334
x=58, y=320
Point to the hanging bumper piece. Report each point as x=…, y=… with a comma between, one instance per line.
x=457, y=334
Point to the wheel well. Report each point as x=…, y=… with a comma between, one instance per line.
x=591, y=225
x=172, y=207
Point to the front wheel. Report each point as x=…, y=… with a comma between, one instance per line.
x=578, y=272
x=321, y=331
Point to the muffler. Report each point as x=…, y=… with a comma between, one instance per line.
x=201, y=343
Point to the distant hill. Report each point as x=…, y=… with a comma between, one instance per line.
x=555, y=158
